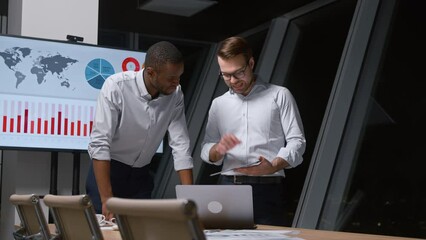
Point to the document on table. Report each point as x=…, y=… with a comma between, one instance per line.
x=250, y=234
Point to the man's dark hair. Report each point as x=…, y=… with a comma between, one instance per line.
x=161, y=53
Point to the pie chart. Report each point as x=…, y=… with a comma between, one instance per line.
x=97, y=71
x=130, y=63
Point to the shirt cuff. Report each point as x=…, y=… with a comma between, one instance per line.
x=285, y=154
x=99, y=153
x=184, y=164
x=205, y=154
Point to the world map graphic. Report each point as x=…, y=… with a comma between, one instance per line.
x=28, y=65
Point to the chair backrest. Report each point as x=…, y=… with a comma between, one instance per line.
x=156, y=219
x=74, y=217
x=33, y=221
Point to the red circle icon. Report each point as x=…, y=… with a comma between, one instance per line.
x=128, y=60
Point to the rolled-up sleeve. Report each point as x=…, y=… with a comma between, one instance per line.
x=179, y=139
x=106, y=120
x=293, y=130
x=212, y=135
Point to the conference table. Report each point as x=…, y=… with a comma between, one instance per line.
x=294, y=233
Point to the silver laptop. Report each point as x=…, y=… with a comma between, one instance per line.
x=221, y=206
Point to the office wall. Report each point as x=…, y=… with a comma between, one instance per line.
x=29, y=171
x=54, y=19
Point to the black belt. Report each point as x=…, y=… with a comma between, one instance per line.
x=236, y=179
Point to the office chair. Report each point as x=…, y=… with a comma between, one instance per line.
x=156, y=219
x=33, y=222
x=74, y=217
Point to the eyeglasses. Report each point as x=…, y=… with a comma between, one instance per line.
x=237, y=75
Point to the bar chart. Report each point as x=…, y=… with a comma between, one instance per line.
x=44, y=122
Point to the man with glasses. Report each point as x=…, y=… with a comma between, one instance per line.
x=255, y=129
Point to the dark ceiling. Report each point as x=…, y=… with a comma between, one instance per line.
x=223, y=19
x=226, y=18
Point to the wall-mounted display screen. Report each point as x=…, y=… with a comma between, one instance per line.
x=48, y=90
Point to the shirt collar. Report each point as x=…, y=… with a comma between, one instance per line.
x=258, y=86
x=141, y=85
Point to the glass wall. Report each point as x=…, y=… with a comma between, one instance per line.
x=307, y=66
x=384, y=188
x=366, y=172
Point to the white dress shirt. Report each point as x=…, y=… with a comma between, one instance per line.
x=129, y=125
x=266, y=121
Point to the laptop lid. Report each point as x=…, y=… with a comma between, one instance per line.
x=221, y=206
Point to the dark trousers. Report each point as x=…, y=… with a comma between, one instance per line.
x=126, y=182
x=268, y=202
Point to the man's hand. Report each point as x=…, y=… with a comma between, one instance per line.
x=226, y=143
x=108, y=215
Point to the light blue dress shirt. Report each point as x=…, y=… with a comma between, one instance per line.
x=267, y=122
x=129, y=125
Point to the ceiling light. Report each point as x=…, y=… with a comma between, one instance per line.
x=184, y=8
